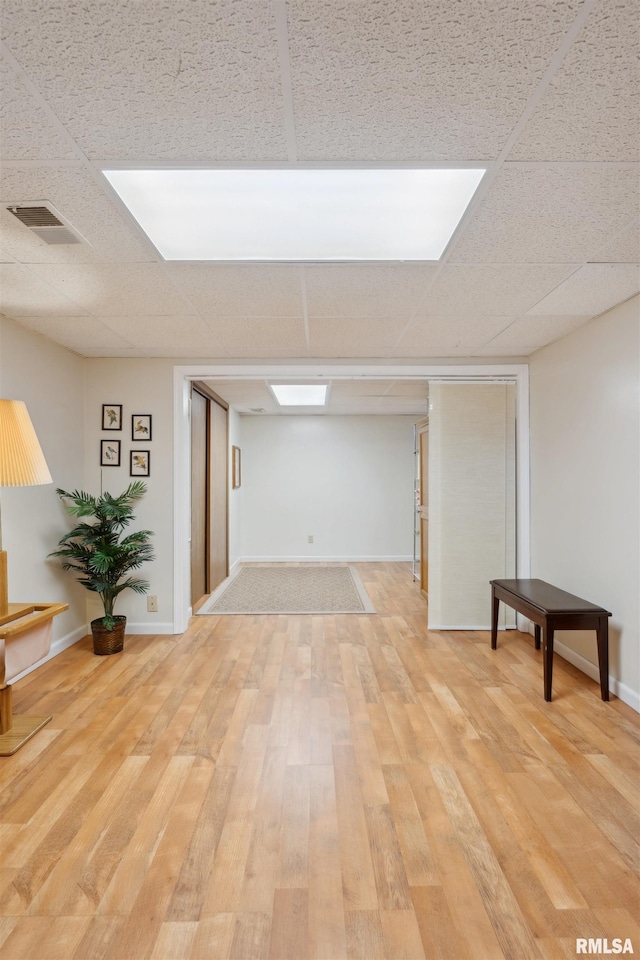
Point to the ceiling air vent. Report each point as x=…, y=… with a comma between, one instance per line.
x=42, y=218
x=257, y=410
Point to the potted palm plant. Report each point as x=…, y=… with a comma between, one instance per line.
x=103, y=557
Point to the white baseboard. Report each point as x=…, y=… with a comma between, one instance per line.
x=621, y=690
x=57, y=646
x=316, y=559
x=149, y=628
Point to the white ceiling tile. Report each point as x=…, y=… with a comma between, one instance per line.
x=240, y=291
x=24, y=294
x=416, y=79
x=173, y=336
x=261, y=337
x=527, y=334
x=27, y=131
x=168, y=79
x=358, y=290
x=84, y=335
x=115, y=289
x=590, y=111
x=623, y=248
x=590, y=291
x=243, y=394
x=492, y=290
x=547, y=213
x=448, y=336
x=353, y=338
x=79, y=198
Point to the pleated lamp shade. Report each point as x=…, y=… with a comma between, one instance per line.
x=22, y=462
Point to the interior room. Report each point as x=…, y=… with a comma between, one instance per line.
x=372, y=779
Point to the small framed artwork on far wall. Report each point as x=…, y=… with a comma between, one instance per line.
x=109, y=453
x=141, y=426
x=112, y=416
x=139, y=464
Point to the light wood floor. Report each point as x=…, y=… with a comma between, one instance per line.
x=323, y=787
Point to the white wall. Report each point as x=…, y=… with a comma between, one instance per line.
x=50, y=380
x=347, y=481
x=141, y=386
x=585, y=482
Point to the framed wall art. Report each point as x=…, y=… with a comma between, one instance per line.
x=141, y=426
x=109, y=453
x=236, y=467
x=139, y=463
x=112, y=416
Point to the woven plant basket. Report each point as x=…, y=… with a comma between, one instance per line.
x=108, y=641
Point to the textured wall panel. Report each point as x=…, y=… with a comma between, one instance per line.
x=471, y=524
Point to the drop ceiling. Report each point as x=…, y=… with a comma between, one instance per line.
x=542, y=94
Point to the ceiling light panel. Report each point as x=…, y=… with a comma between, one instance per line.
x=298, y=214
x=300, y=394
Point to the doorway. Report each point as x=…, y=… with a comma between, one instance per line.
x=209, y=492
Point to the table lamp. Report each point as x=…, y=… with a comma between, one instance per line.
x=22, y=464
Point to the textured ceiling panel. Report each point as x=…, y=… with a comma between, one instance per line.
x=540, y=213
x=118, y=289
x=167, y=336
x=416, y=79
x=27, y=132
x=590, y=110
x=169, y=79
x=23, y=294
x=356, y=290
x=240, y=291
x=83, y=335
x=492, y=290
x=78, y=197
x=441, y=336
x=592, y=290
x=244, y=394
x=371, y=338
x=528, y=334
x=264, y=337
x=625, y=248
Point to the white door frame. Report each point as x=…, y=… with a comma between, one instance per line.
x=182, y=375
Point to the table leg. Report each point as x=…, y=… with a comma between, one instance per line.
x=495, y=604
x=547, y=659
x=603, y=656
x=536, y=632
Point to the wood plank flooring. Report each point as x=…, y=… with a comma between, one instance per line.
x=290, y=787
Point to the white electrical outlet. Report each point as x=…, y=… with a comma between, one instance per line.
x=310, y=538
x=152, y=604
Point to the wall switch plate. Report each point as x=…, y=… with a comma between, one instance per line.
x=310, y=538
x=152, y=604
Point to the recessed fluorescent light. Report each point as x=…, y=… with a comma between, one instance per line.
x=298, y=214
x=300, y=395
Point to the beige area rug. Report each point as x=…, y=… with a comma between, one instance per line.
x=281, y=589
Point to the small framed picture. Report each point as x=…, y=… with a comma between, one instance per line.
x=109, y=453
x=141, y=426
x=236, y=467
x=112, y=416
x=139, y=465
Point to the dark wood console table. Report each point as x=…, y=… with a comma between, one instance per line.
x=552, y=609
